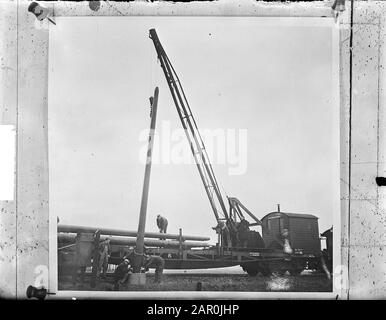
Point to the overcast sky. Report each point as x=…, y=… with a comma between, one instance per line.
x=273, y=82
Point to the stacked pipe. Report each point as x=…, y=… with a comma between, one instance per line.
x=67, y=234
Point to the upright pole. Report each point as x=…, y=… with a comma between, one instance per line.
x=138, y=258
x=95, y=259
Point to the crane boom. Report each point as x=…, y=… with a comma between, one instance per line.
x=192, y=132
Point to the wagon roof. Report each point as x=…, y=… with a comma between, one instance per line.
x=293, y=215
x=325, y=233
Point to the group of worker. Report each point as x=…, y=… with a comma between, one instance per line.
x=125, y=267
x=233, y=233
x=123, y=270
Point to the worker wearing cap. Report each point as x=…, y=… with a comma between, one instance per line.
x=162, y=224
x=121, y=273
x=156, y=262
x=104, y=254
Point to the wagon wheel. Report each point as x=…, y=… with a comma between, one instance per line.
x=252, y=270
x=280, y=272
x=295, y=271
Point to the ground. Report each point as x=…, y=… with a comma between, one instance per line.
x=306, y=282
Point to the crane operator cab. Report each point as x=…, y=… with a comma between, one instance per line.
x=237, y=235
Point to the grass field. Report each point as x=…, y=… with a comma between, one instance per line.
x=309, y=282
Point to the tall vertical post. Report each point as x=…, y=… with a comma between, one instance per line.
x=95, y=259
x=180, y=243
x=138, y=254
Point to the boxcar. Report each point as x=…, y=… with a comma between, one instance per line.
x=303, y=232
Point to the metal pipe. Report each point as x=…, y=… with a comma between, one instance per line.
x=68, y=246
x=126, y=233
x=69, y=238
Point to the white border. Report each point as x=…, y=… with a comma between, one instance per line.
x=234, y=295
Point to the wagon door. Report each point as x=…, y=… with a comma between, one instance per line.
x=275, y=227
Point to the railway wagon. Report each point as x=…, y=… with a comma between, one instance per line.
x=303, y=236
x=266, y=260
x=303, y=231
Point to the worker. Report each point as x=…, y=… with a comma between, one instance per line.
x=121, y=273
x=130, y=255
x=104, y=255
x=242, y=233
x=162, y=224
x=156, y=262
x=223, y=230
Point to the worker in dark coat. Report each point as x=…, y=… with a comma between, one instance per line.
x=156, y=262
x=121, y=273
x=84, y=246
x=162, y=224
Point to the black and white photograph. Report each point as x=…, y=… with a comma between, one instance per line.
x=194, y=153
x=192, y=158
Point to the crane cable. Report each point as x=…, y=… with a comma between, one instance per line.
x=152, y=69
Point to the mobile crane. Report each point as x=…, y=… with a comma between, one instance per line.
x=258, y=255
x=235, y=213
